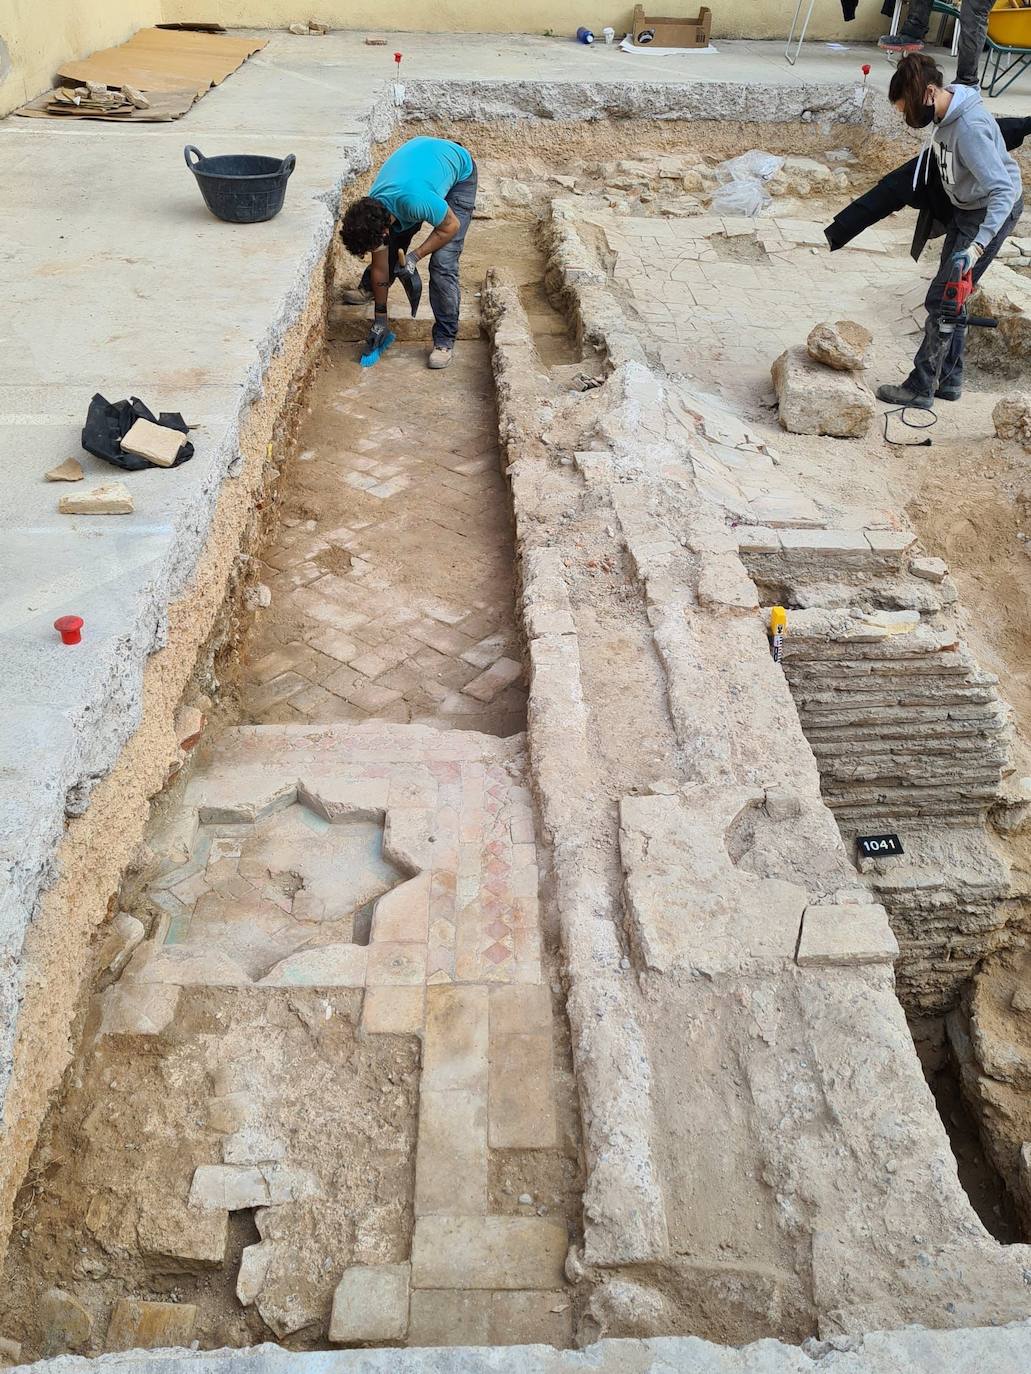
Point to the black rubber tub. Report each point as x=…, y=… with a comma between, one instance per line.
x=240, y=187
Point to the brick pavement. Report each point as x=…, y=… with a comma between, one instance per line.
x=391, y=574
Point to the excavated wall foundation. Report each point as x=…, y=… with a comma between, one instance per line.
x=726, y=974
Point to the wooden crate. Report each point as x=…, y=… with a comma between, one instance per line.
x=669, y=32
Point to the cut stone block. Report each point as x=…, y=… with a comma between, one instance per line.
x=139, y=1325
x=68, y=471
x=522, y=1100
x=890, y=541
x=393, y=964
x=111, y=498
x=393, y=1010
x=723, y=582
x=228, y=1187
x=757, y=539
x=828, y=542
x=447, y=1316
x=370, y=1304
x=403, y=913
x=451, y=1161
x=520, y=1009
x=782, y=512
x=156, y=443
x=488, y=1252
x=455, y=1043
x=193, y=1237
x=324, y=966
x=137, y=1008
x=844, y=935
x=818, y=400
x=843, y=346
x=250, y=1278
x=930, y=569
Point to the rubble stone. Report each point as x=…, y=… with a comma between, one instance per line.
x=66, y=1323
x=818, y=400
x=843, y=346
x=1012, y=418
x=68, y=471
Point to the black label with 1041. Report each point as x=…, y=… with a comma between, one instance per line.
x=878, y=846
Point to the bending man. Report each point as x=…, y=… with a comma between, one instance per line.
x=427, y=181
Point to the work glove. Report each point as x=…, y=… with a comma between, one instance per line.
x=963, y=261
x=409, y=266
x=379, y=331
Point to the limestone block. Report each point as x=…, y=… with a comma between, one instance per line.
x=403, y=913
x=846, y=935
x=190, y=1236
x=818, y=400
x=228, y=1187
x=929, y=569
x=843, y=346
x=66, y=1323
x=111, y=498
x=68, y=471
x=449, y=1317
x=488, y=1252
x=157, y=443
x=1012, y=418
x=499, y=675
x=139, y=1325
x=121, y=937
x=451, y=1161
x=323, y=966
x=393, y=1010
x=532, y=1318
x=522, y=1099
x=757, y=539
x=137, y=1008
x=786, y=511
x=724, y=583
x=250, y=1278
x=455, y=1042
x=370, y=1304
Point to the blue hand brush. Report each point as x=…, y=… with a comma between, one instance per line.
x=374, y=354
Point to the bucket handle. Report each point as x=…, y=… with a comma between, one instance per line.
x=289, y=163
x=197, y=153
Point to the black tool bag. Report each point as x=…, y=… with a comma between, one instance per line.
x=108, y=422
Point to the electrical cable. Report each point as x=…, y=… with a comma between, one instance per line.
x=929, y=419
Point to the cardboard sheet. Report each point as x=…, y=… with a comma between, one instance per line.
x=164, y=60
x=164, y=107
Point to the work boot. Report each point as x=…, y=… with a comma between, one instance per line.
x=440, y=357
x=356, y=295
x=898, y=44
x=902, y=396
x=949, y=393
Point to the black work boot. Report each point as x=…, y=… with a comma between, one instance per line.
x=949, y=393
x=902, y=396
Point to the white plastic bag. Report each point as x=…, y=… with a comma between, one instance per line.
x=752, y=166
x=748, y=197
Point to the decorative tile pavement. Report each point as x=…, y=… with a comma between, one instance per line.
x=392, y=571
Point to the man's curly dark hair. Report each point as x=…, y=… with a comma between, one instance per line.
x=363, y=226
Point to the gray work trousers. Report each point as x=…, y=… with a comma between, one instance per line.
x=939, y=359
x=973, y=25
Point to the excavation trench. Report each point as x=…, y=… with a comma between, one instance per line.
x=327, y=1052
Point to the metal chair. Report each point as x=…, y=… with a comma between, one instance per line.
x=946, y=11
x=1006, y=23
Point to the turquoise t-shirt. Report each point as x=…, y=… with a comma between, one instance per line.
x=413, y=182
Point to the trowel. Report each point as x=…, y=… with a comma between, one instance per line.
x=411, y=281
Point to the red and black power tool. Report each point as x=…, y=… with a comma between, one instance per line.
x=957, y=291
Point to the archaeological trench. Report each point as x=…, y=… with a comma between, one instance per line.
x=495, y=966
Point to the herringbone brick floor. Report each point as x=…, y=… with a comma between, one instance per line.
x=391, y=574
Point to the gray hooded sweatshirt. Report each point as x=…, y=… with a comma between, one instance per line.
x=977, y=171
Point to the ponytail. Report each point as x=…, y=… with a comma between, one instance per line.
x=913, y=75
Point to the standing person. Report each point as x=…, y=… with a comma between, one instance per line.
x=973, y=26
x=982, y=181
x=427, y=181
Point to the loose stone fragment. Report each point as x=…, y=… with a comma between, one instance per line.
x=819, y=400
x=1012, y=418
x=930, y=569
x=111, y=498
x=843, y=345
x=157, y=443
x=66, y=1323
x=68, y=471
x=138, y=1325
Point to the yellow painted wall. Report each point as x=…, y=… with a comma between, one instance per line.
x=731, y=18
x=39, y=35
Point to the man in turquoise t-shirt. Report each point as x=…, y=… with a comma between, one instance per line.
x=427, y=181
